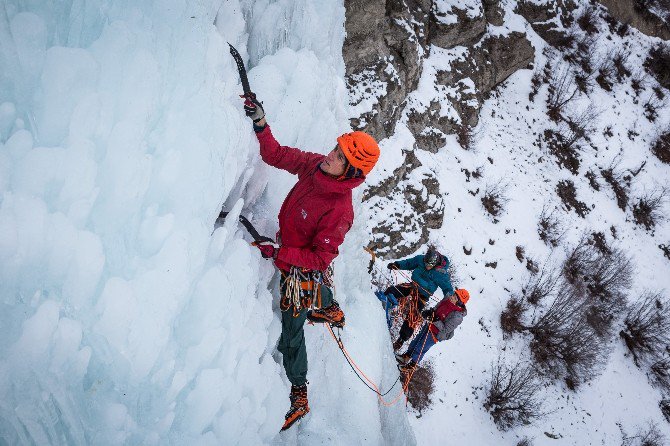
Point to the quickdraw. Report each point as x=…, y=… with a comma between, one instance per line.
x=301, y=288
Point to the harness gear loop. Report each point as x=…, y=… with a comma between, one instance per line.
x=302, y=288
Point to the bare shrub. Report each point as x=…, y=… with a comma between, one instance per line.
x=648, y=210
x=603, y=276
x=648, y=436
x=599, y=241
x=664, y=405
x=638, y=83
x=619, y=59
x=549, y=227
x=562, y=90
x=660, y=374
x=541, y=286
x=652, y=106
x=606, y=70
x=619, y=181
x=564, y=148
x=565, y=344
x=512, y=395
x=646, y=330
x=661, y=147
x=568, y=194
x=495, y=199
x=535, y=84
x=511, y=319
x=525, y=441
x=593, y=180
x=658, y=64
x=421, y=387
x=602, y=273
x=587, y=20
x=666, y=250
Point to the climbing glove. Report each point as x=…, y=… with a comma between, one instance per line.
x=392, y=265
x=429, y=314
x=253, y=108
x=269, y=250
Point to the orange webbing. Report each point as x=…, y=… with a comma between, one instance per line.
x=409, y=309
x=404, y=387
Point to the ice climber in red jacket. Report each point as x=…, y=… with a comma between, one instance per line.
x=313, y=220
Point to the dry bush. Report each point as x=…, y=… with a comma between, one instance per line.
x=646, y=330
x=421, y=387
x=587, y=20
x=661, y=147
x=648, y=436
x=619, y=59
x=495, y=199
x=512, y=395
x=535, y=84
x=562, y=90
x=653, y=105
x=606, y=72
x=525, y=441
x=648, y=211
x=567, y=192
x=619, y=181
x=603, y=276
x=601, y=272
x=565, y=344
x=658, y=64
x=660, y=374
x=541, y=286
x=593, y=180
x=549, y=227
x=511, y=319
x=565, y=148
x=664, y=405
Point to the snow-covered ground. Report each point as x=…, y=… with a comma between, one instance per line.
x=125, y=320
x=504, y=151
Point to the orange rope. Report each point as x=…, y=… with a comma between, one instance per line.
x=403, y=391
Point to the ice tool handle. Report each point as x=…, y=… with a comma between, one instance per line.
x=242, y=72
x=248, y=226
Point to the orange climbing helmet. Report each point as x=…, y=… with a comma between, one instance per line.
x=463, y=295
x=361, y=150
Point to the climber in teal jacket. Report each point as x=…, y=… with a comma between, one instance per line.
x=429, y=272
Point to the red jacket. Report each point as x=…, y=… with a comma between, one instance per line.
x=316, y=214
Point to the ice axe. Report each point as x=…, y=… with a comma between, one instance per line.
x=248, y=94
x=247, y=225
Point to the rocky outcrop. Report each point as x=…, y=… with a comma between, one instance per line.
x=454, y=27
x=414, y=208
x=387, y=48
x=471, y=79
x=545, y=16
x=640, y=15
x=383, y=49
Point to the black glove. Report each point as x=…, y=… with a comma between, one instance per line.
x=428, y=314
x=253, y=108
x=393, y=265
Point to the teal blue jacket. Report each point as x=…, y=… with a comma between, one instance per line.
x=428, y=280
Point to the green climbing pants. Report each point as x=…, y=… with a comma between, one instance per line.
x=292, y=339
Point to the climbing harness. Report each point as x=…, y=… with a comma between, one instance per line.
x=301, y=288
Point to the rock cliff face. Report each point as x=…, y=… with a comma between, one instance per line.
x=393, y=49
x=649, y=16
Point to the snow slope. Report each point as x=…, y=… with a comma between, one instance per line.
x=505, y=152
x=124, y=319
